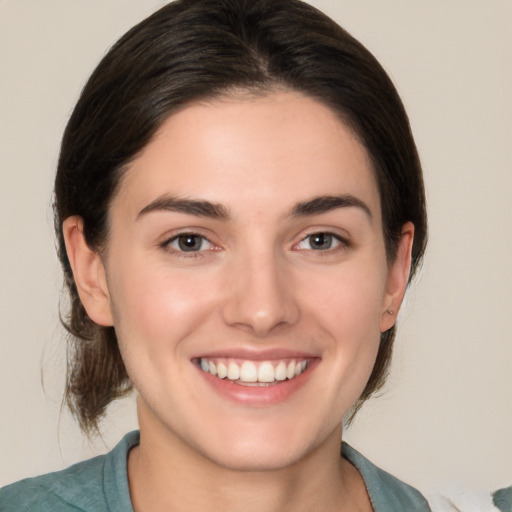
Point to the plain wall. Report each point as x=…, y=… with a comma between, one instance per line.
x=445, y=417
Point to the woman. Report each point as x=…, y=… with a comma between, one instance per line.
x=239, y=207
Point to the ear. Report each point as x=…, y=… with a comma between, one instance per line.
x=398, y=276
x=88, y=272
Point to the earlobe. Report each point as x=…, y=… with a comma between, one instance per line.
x=88, y=272
x=398, y=277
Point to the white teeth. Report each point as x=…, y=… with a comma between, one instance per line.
x=233, y=371
x=280, y=371
x=222, y=370
x=290, y=370
x=266, y=372
x=251, y=372
x=248, y=372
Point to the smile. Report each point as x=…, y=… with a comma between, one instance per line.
x=254, y=373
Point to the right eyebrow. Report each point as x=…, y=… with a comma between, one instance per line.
x=195, y=207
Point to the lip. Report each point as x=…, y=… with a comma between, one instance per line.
x=256, y=355
x=258, y=396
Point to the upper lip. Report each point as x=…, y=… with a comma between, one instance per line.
x=256, y=354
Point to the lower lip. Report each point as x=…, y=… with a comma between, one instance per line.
x=259, y=395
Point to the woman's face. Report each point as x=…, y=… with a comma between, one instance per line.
x=247, y=279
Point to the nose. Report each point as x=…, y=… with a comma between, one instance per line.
x=260, y=296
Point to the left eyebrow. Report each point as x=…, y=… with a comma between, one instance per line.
x=324, y=204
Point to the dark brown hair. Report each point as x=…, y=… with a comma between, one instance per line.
x=198, y=49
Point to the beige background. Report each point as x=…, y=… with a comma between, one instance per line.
x=446, y=416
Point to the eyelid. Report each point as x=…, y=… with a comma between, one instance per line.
x=199, y=231
x=343, y=241
x=190, y=235
x=166, y=244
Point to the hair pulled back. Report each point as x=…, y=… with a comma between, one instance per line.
x=198, y=49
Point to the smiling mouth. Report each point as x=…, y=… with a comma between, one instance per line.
x=254, y=373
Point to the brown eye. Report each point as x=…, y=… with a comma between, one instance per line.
x=319, y=242
x=189, y=242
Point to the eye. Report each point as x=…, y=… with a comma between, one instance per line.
x=189, y=242
x=320, y=242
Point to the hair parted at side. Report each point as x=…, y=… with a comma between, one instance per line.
x=198, y=49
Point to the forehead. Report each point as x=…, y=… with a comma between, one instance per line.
x=252, y=150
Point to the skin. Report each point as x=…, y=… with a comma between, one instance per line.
x=256, y=284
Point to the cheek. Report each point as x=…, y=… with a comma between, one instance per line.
x=155, y=309
x=348, y=300
x=347, y=306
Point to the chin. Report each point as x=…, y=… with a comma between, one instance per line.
x=256, y=457
x=260, y=449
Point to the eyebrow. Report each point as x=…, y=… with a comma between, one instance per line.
x=202, y=208
x=324, y=204
x=187, y=206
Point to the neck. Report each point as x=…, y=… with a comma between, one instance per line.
x=166, y=474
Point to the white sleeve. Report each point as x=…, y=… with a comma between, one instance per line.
x=462, y=500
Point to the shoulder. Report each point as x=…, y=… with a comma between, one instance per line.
x=386, y=491
x=74, y=488
x=502, y=499
x=86, y=486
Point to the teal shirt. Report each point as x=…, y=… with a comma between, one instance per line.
x=503, y=499
x=95, y=485
x=101, y=485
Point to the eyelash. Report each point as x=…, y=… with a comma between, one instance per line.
x=340, y=242
x=187, y=254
